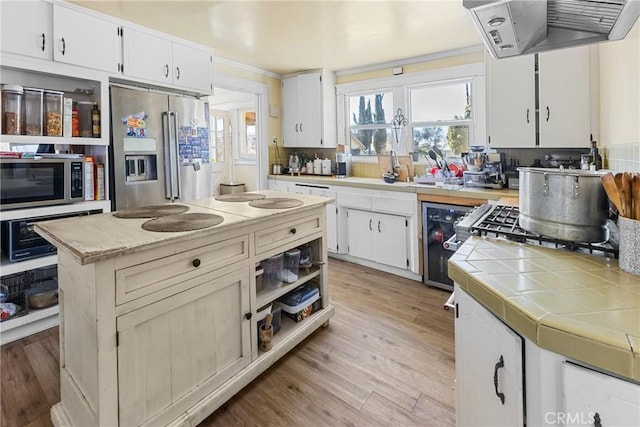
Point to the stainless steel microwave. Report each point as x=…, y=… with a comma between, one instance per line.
x=40, y=182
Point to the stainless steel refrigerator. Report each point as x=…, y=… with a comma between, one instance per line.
x=160, y=148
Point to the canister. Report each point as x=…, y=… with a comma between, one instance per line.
x=326, y=167
x=317, y=166
x=310, y=167
x=273, y=267
x=291, y=265
x=84, y=118
x=53, y=112
x=12, y=109
x=32, y=111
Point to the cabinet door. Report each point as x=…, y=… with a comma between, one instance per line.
x=511, y=103
x=32, y=39
x=191, y=67
x=85, y=40
x=332, y=227
x=360, y=237
x=174, y=352
x=482, y=342
x=565, y=113
x=146, y=56
x=391, y=240
x=591, y=396
x=290, y=124
x=310, y=110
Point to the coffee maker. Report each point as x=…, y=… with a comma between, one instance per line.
x=343, y=162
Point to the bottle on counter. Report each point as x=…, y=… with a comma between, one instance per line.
x=95, y=120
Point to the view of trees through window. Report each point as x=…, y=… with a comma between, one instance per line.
x=370, y=132
x=441, y=116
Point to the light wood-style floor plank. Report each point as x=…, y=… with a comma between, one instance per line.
x=386, y=358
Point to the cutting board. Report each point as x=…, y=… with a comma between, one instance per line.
x=406, y=167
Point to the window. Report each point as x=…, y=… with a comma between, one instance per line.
x=370, y=117
x=445, y=108
x=441, y=115
x=247, y=146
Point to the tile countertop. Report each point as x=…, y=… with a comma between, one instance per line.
x=97, y=237
x=406, y=187
x=580, y=306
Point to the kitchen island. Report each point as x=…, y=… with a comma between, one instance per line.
x=571, y=344
x=160, y=328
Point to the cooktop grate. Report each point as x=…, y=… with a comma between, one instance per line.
x=502, y=221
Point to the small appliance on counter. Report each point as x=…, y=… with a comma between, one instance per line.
x=485, y=170
x=343, y=168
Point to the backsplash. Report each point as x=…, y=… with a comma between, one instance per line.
x=622, y=157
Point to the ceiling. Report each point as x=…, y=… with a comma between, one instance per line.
x=288, y=36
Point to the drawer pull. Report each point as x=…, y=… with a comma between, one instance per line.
x=499, y=365
x=196, y=262
x=596, y=421
x=248, y=316
x=293, y=231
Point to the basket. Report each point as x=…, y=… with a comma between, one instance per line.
x=13, y=287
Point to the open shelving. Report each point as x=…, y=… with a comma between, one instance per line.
x=266, y=296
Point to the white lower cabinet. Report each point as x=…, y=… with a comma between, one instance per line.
x=489, y=361
x=176, y=351
x=489, y=367
x=377, y=237
x=592, y=398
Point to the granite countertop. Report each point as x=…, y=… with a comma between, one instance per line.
x=406, y=187
x=580, y=306
x=98, y=237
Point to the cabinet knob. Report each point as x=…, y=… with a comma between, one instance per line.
x=196, y=262
x=248, y=316
x=292, y=231
x=596, y=420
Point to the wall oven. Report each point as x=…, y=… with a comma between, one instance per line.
x=20, y=241
x=40, y=182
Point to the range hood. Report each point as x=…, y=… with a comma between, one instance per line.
x=519, y=27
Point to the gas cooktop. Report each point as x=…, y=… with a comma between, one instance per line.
x=501, y=221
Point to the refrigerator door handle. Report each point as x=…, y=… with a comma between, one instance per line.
x=175, y=162
x=168, y=170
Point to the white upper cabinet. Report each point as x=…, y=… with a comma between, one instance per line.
x=309, y=110
x=85, y=40
x=511, y=101
x=565, y=113
x=554, y=102
x=146, y=56
x=192, y=67
x=27, y=28
x=154, y=58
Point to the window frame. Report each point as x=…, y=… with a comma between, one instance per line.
x=473, y=72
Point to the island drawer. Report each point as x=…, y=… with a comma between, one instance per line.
x=154, y=276
x=281, y=234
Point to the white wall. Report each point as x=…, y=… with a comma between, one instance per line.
x=620, y=90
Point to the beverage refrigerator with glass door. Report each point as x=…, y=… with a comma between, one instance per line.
x=437, y=227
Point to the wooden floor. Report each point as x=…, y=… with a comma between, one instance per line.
x=387, y=358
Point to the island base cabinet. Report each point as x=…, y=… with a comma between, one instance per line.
x=175, y=352
x=595, y=399
x=489, y=367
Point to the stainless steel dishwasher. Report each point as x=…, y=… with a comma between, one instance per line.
x=437, y=227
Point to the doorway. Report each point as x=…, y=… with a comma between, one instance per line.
x=238, y=125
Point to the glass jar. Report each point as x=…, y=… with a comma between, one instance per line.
x=33, y=105
x=53, y=112
x=84, y=119
x=12, y=109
